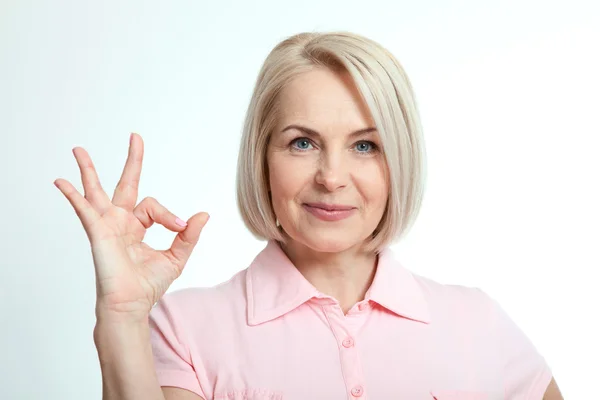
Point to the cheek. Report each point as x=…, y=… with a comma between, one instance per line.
x=373, y=184
x=287, y=177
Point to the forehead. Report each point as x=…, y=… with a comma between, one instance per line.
x=324, y=98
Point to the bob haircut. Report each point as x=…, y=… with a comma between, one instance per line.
x=386, y=90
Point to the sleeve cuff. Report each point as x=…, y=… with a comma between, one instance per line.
x=181, y=380
x=540, y=384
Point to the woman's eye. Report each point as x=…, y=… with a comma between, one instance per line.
x=365, y=147
x=302, y=144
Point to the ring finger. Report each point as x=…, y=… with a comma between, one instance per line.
x=93, y=191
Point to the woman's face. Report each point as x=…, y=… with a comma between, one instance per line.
x=329, y=182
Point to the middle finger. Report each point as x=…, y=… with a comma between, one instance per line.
x=126, y=192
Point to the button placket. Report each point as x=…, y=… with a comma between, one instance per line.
x=343, y=328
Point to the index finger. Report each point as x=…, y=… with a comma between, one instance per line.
x=126, y=192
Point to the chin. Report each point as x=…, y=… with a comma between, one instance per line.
x=326, y=241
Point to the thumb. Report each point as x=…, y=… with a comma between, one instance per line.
x=186, y=240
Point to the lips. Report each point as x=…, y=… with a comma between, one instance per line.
x=329, y=212
x=330, y=207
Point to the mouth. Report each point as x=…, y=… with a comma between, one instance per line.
x=329, y=212
x=330, y=207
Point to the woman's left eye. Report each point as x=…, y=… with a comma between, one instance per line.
x=365, y=147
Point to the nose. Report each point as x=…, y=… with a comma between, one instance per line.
x=332, y=171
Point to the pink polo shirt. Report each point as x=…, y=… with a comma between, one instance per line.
x=267, y=333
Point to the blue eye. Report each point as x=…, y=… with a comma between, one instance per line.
x=365, y=147
x=301, y=144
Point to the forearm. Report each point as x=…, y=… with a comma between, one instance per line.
x=126, y=361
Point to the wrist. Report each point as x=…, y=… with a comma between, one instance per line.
x=119, y=326
x=122, y=315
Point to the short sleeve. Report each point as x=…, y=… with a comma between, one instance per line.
x=526, y=374
x=172, y=359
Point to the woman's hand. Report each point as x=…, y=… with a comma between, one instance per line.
x=130, y=275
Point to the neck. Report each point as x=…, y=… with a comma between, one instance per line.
x=345, y=276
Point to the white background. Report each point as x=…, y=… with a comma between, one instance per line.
x=509, y=98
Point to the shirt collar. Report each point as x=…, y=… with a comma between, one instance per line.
x=275, y=287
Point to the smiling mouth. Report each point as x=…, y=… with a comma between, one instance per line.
x=330, y=207
x=329, y=212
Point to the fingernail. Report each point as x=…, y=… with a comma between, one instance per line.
x=180, y=222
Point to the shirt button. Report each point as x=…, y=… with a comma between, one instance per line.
x=357, y=391
x=348, y=342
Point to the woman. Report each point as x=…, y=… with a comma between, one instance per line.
x=331, y=170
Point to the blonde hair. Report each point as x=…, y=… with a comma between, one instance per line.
x=387, y=92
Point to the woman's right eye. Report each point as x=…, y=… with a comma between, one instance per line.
x=301, y=144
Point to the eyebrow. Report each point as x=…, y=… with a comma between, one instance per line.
x=311, y=132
